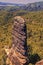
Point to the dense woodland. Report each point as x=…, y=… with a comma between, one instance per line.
x=34, y=23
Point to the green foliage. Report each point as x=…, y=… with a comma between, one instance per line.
x=34, y=23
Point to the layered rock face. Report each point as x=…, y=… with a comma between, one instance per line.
x=39, y=62
x=17, y=53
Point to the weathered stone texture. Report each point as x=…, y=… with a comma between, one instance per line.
x=17, y=54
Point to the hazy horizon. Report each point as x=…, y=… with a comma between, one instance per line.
x=20, y=1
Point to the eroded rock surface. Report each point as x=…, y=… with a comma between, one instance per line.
x=39, y=62
x=17, y=53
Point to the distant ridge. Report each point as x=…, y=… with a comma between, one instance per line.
x=37, y=6
x=33, y=6
x=12, y=4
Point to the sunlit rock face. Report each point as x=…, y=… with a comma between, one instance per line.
x=17, y=53
x=39, y=62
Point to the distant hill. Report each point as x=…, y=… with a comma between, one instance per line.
x=10, y=4
x=33, y=6
x=28, y=7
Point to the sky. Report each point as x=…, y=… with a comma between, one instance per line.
x=20, y=1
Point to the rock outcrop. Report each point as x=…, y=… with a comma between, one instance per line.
x=17, y=53
x=39, y=62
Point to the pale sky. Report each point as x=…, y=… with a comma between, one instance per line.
x=20, y=1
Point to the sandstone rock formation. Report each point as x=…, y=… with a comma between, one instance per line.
x=39, y=62
x=17, y=53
